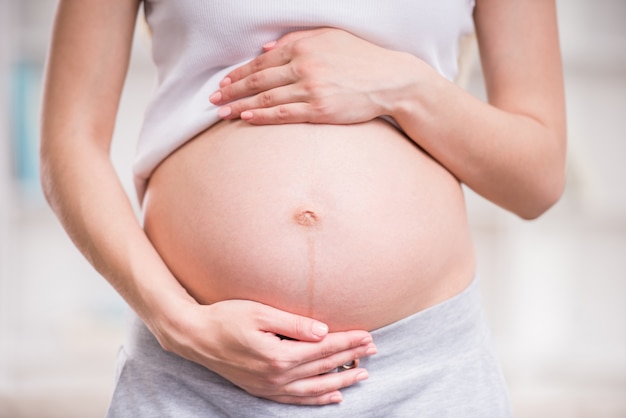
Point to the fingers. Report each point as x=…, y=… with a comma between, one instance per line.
x=264, y=100
x=287, y=104
x=290, y=325
x=294, y=371
x=282, y=114
x=320, y=390
x=314, y=351
x=325, y=399
x=326, y=383
x=264, y=89
x=290, y=378
x=275, y=55
x=271, y=59
x=316, y=383
x=253, y=84
x=337, y=349
x=260, y=80
x=328, y=364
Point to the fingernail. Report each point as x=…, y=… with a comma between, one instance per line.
x=371, y=350
x=246, y=115
x=224, y=111
x=319, y=330
x=226, y=81
x=216, y=97
x=366, y=340
x=269, y=45
x=362, y=376
x=336, y=398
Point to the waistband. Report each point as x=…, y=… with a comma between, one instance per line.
x=458, y=317
x=437, y=362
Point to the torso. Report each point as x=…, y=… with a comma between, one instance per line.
x=196, y=43
x=353, y=225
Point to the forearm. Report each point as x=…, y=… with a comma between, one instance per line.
x=510, y=150
x=85, y=193
x=79, y=108
x=237, y=339
x=512, y=159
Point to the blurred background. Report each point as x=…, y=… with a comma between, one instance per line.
x=554, y=288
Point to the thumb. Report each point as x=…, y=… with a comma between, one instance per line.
x=292, y=37
x=292, y=326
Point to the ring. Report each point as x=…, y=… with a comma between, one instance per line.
x=351, y=365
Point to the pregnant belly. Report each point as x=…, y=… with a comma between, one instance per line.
x=353, y=225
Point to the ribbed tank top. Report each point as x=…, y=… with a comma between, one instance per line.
x=195, y=43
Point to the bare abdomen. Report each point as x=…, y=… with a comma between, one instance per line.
x=353, y=225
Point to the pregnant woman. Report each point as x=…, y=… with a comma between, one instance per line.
x=304, y=248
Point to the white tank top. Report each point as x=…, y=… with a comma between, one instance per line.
x=197, y=42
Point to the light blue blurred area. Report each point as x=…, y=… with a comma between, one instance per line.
x=25, y=104
x=554, y=289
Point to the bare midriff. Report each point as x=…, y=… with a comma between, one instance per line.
x=353, y=225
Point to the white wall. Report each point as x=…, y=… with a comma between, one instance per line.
x=5, y=193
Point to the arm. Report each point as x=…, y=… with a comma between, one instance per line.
x=87, y=64
x=510, y=150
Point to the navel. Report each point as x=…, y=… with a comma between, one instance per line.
x=306, y=218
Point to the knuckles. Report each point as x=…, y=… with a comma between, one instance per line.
x=326, y=366
x=321, y=110
x=257, y=64
x=300, y=325
x=313, y=88
x=282, y=113
x=254, y=81
x=328, y=350
x=277, y=366
x=301, y=46
x=274, y=381
x=266, y=99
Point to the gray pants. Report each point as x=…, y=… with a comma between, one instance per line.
x=436, y=363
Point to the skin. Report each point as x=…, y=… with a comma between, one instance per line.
x=314, y=76
x=304, y=77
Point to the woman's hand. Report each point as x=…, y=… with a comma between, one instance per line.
x=238, y=339
x=318, y=76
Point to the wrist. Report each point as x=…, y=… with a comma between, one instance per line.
x=169, y=316
x=157, y=296
x=415, y=90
